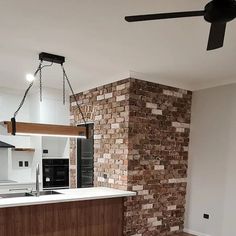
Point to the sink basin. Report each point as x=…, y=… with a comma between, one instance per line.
x=42, y=193
x=47, y=192
x=12, y=195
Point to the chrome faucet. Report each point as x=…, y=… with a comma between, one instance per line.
x=37, y=181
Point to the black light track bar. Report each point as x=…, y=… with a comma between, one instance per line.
x=43, y=56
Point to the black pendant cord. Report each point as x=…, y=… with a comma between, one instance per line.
x=73, y=94
x=40, y=86
x=65, y=79
x=64, y=89
x=27, y=90
x=40, y=67
x=13, y=119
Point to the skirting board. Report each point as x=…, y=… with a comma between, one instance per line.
x=189, y=231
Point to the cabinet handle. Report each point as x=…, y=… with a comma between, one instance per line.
x=18, y=189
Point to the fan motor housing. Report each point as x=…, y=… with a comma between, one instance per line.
x=220, y=11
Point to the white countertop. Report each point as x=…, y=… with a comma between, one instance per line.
x=67, y=195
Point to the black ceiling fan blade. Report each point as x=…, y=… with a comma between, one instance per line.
x=164, y=16
x=217, y=35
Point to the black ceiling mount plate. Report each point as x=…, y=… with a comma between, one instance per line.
x=44, y=56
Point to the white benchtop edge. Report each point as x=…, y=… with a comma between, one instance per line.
x=67, y=195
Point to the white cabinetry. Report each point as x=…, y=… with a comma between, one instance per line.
x=55, y=147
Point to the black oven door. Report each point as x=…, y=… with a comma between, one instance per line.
x=55, y=173
x=60, y=176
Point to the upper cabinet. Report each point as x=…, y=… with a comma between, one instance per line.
x=55, y=147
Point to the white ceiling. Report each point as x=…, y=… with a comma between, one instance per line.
x=100, y=47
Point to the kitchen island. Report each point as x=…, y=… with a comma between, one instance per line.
x=73, y=212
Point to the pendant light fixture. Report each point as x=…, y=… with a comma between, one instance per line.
x=36, y=129
x=22, y=128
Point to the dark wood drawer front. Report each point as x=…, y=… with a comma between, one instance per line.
x=84, y=218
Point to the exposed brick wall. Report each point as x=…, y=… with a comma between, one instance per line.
x=141, y=144
x=108, y=107
x=73, y=163
x=159, y=124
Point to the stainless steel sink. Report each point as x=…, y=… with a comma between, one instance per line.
x=47, y=192
x=12, y=195
x=33, y=194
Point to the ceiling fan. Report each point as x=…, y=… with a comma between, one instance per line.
x=216, y=12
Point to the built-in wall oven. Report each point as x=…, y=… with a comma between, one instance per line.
x=55, y=173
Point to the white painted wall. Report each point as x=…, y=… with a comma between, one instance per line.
x=212, y=163
x=3, y=164
x=20, y=174
x=57, y=147
x=51, y=110
x=36, y=142
x=9, y=102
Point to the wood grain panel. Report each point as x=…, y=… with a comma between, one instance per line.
x=35, y=128
x=86, y=218
x=23, y=149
